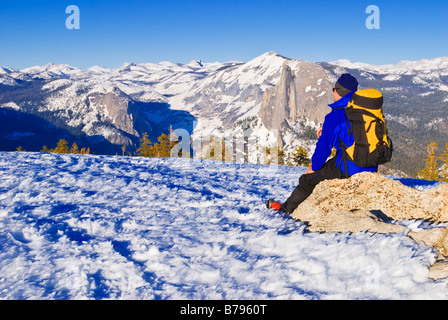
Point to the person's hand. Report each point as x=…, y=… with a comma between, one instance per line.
x=319, y=132
x=309, y=170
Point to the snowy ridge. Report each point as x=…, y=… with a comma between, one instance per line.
x=425, y=71
x=404, y=67
x=4, y=70
x=216, y=95
x=270, y=96
x=98, y=227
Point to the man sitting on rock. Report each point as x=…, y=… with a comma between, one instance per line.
x=333, y=130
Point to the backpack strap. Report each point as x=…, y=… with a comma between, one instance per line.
x=342, y=145
x=344, y=157
x=347, y=121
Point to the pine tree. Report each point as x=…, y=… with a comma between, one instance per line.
x=85, y=151
x=429, y=172
x=444, y=159
x=273, y=155
x=62, y=146
x=300, y=157
x=74, y=149
x=280, y=156
x=45, y=149
x=145, y=149
x=163, y=148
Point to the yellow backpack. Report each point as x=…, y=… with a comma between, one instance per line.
x=372, y=145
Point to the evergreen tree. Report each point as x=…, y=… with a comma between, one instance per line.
x=429, y=172
x=273, y=155
x=45, y=149
x=444, y=159
x=300, y=157
x=145, y=147
x=85, y=151
x=166, y=144
x=163, y=148
x=74, y=149
x=62, y=146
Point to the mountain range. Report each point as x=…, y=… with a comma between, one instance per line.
x=270, y=99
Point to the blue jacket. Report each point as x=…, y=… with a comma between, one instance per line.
x=335, y=128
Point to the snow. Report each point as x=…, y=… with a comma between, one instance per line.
x=435, y=122
x=321, y=94
x=6, y=70
x=429, y=69
x=52, y=70
x=57, y=84
x=10, y=105
x=406, y=121
x=98, y=227
x=392, y=77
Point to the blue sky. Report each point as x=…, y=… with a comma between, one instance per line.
x=116, y=31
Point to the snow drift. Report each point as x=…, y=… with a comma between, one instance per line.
x=98, y=227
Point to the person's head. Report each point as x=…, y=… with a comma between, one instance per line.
x=345, y=84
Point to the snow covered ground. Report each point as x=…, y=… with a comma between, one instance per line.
x=98, y=227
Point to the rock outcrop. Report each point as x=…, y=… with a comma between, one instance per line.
x=304, y=90
x=121, y=114
x=371, y=202
x=437, y=238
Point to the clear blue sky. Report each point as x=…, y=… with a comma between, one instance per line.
x=111, y=32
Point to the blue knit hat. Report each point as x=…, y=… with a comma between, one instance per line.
x=347, y=81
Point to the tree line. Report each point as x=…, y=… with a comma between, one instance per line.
x=217, y=150
x=436, y=167
x=62, y=147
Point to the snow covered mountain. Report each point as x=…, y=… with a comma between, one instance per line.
x=4, y=70
x=116, y=106
x=425, y=66
x=271, y=99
